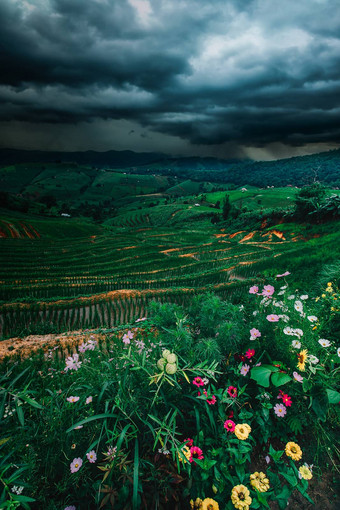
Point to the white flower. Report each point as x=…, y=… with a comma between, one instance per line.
x=281, y=293
x=298, y=306
x=338, y=351
x=288, y=330
x=298, y=332
x=205, y=381
x=255, y=313
x=313, y=359
x=312, y=318
x=285, y=318
x=283, y=287
x=305, y=296
x=324, y=342
x=296, y=344
x=291, y=297
x=241, y=308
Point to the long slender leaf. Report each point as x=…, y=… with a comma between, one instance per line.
x=135, y=477
x=92, y=418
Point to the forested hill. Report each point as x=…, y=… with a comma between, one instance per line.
x=296, y=171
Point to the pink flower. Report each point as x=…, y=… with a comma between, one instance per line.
x=91, y=456
x=70, y=507
x=79, y=427
x=245, y=369
x=232, y=391
x=273, y=318
x=254, y=333
x=284, y=274
x=72, y=399
x=297, y=377
x=280, y=410
x=127, y=337
x=196, y=453
x=88, y=400
x=254, y=289
x=76, y=465
x=268, y=290
x=267, y=459
x=189, y=442
x=250, y=353
x=211, y=401
x=198, y=382
x=229, y=425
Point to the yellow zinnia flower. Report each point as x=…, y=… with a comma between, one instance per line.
x=305, y=472
x=242, y=431
x=240, y=497
x=259, y=481
x=293, y=450
x=302, y=356
x=209, y=504
x=196, y=504
x=187, y=454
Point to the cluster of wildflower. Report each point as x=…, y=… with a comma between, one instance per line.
x=198, y=381
x=241, y=430
x=8, y=411
x=111, y=453
x=77, y=462
x=168, y=362
x=88, y=346
x=17, y=489
x=204, y=504
x=163, y=451
x=190, y=452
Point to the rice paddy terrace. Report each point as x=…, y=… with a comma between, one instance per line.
x=104, y=276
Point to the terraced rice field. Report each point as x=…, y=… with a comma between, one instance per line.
x=110, y=278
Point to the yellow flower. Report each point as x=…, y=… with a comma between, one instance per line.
x=259, y=481
x=240, y=497
x=185, y=450
x=209, y=504
x=329, y=284
x=302, y=356
x=305, y=472
x=323, y=295
x=317, y=298
x=242, y=431
x=293, y=450
x=196, y=504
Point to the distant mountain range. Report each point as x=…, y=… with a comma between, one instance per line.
x=297, y=171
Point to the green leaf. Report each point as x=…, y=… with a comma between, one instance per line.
x=290, y=477
x=262, y=374
x=135, y=477
x=333, y=396
x=278, y=379
x=92, y=418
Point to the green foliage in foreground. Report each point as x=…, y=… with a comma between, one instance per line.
x=185, y=405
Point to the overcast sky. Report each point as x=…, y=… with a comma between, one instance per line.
x=187, y=77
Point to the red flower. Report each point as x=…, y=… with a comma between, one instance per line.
x=250, y=353
x=232, y=391
x=286, y=399
x=231, y=414
x=229, y=425
x=196, y=453
x=198, y=381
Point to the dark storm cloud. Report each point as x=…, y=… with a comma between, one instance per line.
x=247, y=72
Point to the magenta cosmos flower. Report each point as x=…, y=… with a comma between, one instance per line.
x=127, y=337
x=76, y=465
x=198, y=381
x=229, y=425
x=286, y=273
x=254, y=289
x=273, y=318
x=250, y=353
x=280, y=410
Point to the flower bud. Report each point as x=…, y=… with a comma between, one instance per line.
x=171, y=358
x=171, y=368
x=160, y=363
x=166, y=353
